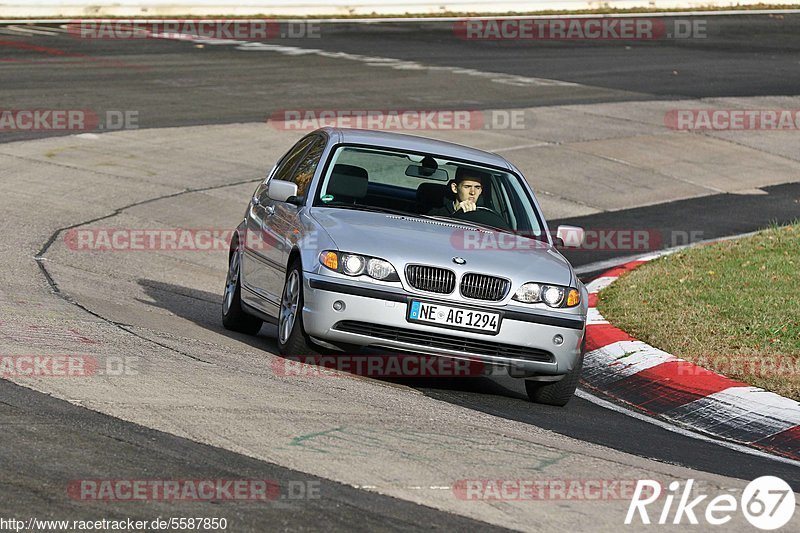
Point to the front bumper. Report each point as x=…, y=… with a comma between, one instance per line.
x=376, y=317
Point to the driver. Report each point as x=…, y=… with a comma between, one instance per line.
x=467, y=186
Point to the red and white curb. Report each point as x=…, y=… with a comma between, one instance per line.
x=680, y=392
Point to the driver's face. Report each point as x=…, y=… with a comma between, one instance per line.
x=468, y=190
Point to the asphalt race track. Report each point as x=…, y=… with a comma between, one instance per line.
x=205, y=403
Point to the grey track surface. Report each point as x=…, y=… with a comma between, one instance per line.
x=740, y=56
x=176, y=84
x=38, y=468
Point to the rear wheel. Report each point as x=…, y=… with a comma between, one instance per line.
x=234, y=317
x=292, y=338
x=559, y=392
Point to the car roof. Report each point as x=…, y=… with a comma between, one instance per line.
x=415, y=143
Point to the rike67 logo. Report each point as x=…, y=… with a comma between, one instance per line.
x=767, y=503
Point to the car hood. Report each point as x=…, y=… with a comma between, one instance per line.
x=403, y=240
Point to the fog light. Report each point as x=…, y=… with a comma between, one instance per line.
x=558, y=340
x=338, y=305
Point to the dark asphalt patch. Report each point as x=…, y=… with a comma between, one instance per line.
x=695, y=219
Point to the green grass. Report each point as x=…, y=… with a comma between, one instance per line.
x=732, y=307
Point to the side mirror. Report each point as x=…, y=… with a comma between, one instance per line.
x=282, y=191
x=570, y=236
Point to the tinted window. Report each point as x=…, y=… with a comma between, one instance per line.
x=382, y=178
x=308, y=164
x=290, y=160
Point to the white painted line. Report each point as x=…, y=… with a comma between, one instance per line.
x=399, y=64
x=30, y=31
x=8, y=30
x=385, y=62
x=580, y=393
x=59, y=29
x=53, y=30
x=407, y=487
x=520, y=147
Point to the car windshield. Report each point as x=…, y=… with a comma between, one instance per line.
x=427, y=185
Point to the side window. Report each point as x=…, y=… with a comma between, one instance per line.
x=308, y=164
x=289, y=161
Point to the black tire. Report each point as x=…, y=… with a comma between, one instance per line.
x=292, y=338
x=234, y=317
x=560, y=392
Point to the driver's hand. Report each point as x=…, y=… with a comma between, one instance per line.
x=467, y=206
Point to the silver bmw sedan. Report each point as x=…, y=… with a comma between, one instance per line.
x=366, y=240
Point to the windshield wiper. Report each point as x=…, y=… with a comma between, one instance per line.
x=389, y=210
x=463, y=222
x=373, y=209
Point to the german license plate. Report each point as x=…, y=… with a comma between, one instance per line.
x=453, y=317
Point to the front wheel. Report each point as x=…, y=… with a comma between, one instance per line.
x=560, y=392
x=234, y=317
x=292, y=338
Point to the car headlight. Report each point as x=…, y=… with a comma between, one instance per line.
x=353, y=265
x=380, y=269
x=357, y=265
x=528, y=293
x=552, y=295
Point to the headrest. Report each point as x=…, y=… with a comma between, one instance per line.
x=348, y=180
x=431, y=194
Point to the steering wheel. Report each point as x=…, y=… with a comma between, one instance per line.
x=482, y=215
